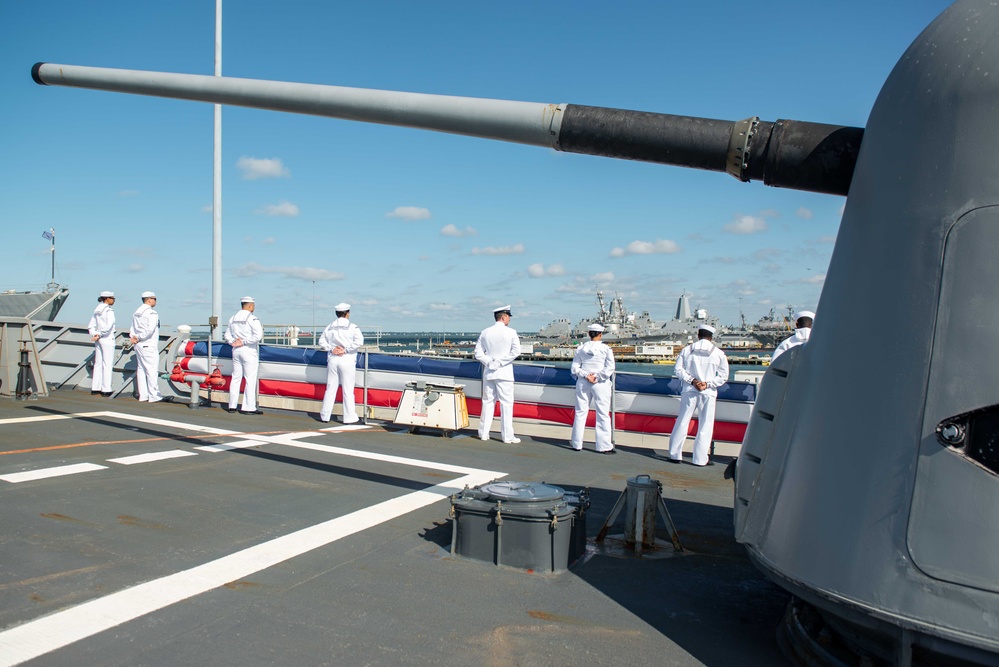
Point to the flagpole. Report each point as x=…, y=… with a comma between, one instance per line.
x=217, y=188
x=52, y=232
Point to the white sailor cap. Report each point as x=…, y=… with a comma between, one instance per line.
x=803, y=313
x=247, y=299
x=107, y=295
x=707, y=327
x=342, y=307
x=149, y=295
x=502, y=309
x=595, y=327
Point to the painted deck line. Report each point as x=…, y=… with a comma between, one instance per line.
x=225, y=447
x=346, y=427
x=120, y=415
x=46, y=634
x=49, y=418
x=153, y=456
x=388, y=458
x=58, y=471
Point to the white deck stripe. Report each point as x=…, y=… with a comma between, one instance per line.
x=36, y=638
x=417, y=463
x=153, y=456
x=225, y=447
x=58, y=471
x=345, y=427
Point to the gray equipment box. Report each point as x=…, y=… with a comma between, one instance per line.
x=526, y=525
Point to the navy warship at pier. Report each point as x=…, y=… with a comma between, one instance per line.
x=623, y=326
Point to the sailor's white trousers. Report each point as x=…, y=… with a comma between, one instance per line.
x=703, y=402
x=340, y=372
x=493, y=390
x=600, y=395
x=146, y=379
x=245, y=364
x=103, y=363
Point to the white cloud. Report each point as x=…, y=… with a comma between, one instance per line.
x=502, y=250
x=657, y=247
x=135, y=268
x=815, y=280
x=804, y=213
x=128, y=193
x=283, y=210
x=409, y=213
x=451, y=230
x=207, y=208
x=369, y=302
x=268, y=241
x=296, y=272
x=255, y=168
x=746, y=224
x=538, y=270
x=827, y=239
x=441, y=306
x=605, y=277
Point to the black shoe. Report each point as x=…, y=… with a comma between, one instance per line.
x=94, y=393
x=230, y=410
x=609, y=451
x=709, y=463
x=106, y=394
x=676, y=461
x=250, y=412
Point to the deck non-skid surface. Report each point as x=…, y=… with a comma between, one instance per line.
x=137, y=534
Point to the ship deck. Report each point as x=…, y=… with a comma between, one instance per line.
x=138, y=534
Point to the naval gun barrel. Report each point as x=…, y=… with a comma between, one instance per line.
x=784, y=153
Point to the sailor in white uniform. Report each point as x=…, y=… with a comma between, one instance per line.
x=593, y=369
x=496, y=350
x=101, y=330
x=702, y=368
x=803, y=329
x=341, y=339
x=145, y=337
x=244, y=334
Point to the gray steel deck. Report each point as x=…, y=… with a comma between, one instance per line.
x=267, y=554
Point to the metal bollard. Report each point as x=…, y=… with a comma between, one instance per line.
x=640, y=512
x=24, y=374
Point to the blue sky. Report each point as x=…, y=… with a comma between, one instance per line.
x=423, y=231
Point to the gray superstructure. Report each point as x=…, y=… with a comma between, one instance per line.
x=34, y=305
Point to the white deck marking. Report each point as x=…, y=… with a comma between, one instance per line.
x=153, y=456
x=46, y=634
x=225, y=447
x=345, y=427
x=36, y=638
x=58, y=471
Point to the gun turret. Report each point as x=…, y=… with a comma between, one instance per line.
x=783, y=153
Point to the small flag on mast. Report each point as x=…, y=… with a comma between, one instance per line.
x=48, y=235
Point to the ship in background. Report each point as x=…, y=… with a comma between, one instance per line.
x=622, y=326
x=43, y=305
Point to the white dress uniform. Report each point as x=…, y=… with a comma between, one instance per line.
x=146, y=329
x=496, y=350
x=341, y=369
x=705, y=362
x=102, y=324
x=597, y=358
x=244, y=326
x=800, y=337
